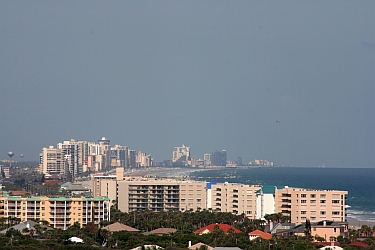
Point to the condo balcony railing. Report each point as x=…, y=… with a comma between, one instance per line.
x=33, y=210
x=60, y=216
x=60, y=205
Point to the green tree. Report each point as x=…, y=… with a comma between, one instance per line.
x=308, y=228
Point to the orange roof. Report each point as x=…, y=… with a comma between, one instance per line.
x=261, y=234
x=211, y=228
x=51, y=182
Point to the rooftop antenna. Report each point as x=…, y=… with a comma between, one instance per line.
x=10, y=154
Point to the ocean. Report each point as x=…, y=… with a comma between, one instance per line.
x=359, y=182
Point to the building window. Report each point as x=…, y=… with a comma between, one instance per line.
x=322, y=212
x=334, y=230
x=323, y=196
x=303, y=212
x=313, y=201
x=303, y=201
x=335, y=213
x=303, y=195
x=312, y=195
x=303, y=218
x=335, y=201
x=313, y=218
x=322, y=201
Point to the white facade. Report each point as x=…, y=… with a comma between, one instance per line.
x=265, y=205
x=181, y=153
x=52, y=161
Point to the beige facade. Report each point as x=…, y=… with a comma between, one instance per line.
x=235, y=198
x=137, y=193
x=316, y=205
x=104, y=185
x=60, y=212
x=52, y=161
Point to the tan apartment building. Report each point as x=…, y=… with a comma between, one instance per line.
x=156, y=194
x=60, y=212
x=235, y=198
x=137, y=193
x=104, y=185
x=316, y=205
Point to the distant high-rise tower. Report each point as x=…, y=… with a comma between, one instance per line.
x=181, y=153
x=132, y=158
x=219, y=158
x=120, y=153
x=52, y=161
x=239, y=161
x=207, y=159
x=104, y=140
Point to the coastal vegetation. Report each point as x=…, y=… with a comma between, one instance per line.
x=95, y=237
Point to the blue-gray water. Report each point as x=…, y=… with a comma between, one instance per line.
x=359, y=182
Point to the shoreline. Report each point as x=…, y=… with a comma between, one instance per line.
x=354, y=223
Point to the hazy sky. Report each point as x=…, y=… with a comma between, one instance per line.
x=153, y=75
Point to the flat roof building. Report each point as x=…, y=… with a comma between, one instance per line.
x=235, y=198
x=60, y=212
x=316, y=205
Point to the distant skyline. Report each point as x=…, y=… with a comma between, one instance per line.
x=291, y=82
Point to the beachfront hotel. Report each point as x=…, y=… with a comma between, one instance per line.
x=60, y=212
x=254, y=201
x=316, y=205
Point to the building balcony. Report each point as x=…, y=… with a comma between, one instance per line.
x=59, y=211
x=33, y=210
x=286, y=206
x=61, y=216
x=286, y=201
x=60, y=205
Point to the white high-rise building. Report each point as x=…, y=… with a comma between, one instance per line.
x=70, y=149
x=52, y=161
x=207, y=159
x=143, y=159
x=181, y=154
x=99, y=155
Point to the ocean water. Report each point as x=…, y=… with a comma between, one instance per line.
x=359, y=182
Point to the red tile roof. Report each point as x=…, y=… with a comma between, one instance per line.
x=210, y=228
x=359, y=244
x=327, y=244
x=52, y=182
x=261, y=234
